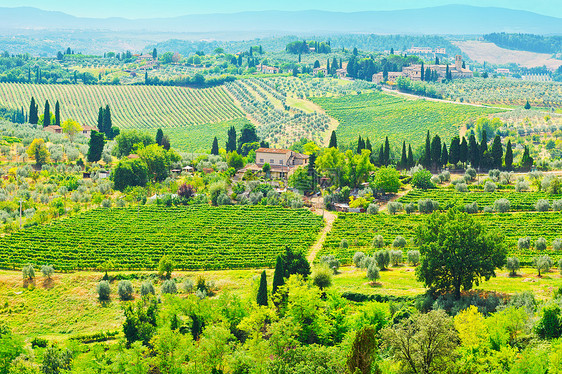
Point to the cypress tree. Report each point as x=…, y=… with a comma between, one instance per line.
x=526, y=160
x=410, y=156
x=484, y=144
x=107, y=124
x=386, y=151
x=404, y=158
x=444, y=155
x=463, y=151
x=436, y=151
x=47, y=115
x=231, y=142
x=100, y=120
x=333, y=140
x=360, y=145
x=497, y=152
x=508, y=156
x=454, y=150
x=427, y=152
x=57, y=114
x=215, y=147
x=278, y=279
x=422, y=72
x=473, y=152
x=428, y=74
x=368, y=145
x=262, y=291
x=97, y=141
x=160, y=135
x=380, y=160
x=33, y=116
x=527, y=105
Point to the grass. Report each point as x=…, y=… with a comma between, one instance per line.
x=199, y=138
x=376, y=115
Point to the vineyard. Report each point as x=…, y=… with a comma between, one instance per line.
x=142, y=107
x=360, y=229
x=194, y=237
x=450, y=198
x=377, y=115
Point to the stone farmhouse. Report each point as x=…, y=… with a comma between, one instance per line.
x=281, y=161
x=267, y=69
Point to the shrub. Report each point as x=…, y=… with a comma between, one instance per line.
x=422, y=179
x=488, y=209
x=146, y=288
x=540, y=244
x=47, y=271
x=542, y=263
x=471, y=208
x=106, y=203
x=169, y=287
x=125, y=290
x=550, y=324
x=560, y=266
x=104, y=290
x=28, y=272
x=557, y=205
x=394, y=207
x=502, y=205
x=524, y=243
x=332, y=262
x=471, y=173
x=165, y=267
x=378, y=242
x=382, y=258
x=373, y=271
x=344, y=244
x=557, y=244
x=367, y=262
x=542, y=205
x=445, y=176
x=322, y=276
x=358, y=259
x=489, y=186
x=521, y=186
x=410, y=208
x=461, y=187
x=399, y=242
x=188, y=285
x=512, y=264
x=427, y=206
x=435, y=180
x=396, y=257
x=373, y=209
x=414, y=257
x=39, y=342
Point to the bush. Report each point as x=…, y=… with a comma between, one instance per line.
x=165, y=267
x=422, y=179
x=382, y=259
x=524, y=243
x=322, y=276
x=512, y=264
x=28, y=272
x=410, y=208
x=435, y=180
x=367, y=262
x=542, y=263
x=445, y=176
x=488, y=209
x=188, y=285
x=461, y=187
x=373, y=209
x=540, y=244
x=394, y=207
x=550, y=324
x=373, y=271
x=427, y=206
x=146, y=288
x=104, y=290
x=489, y=186
x=396, y=257
x=471, y=208
x=39, y=342
x=332, y=262
x=106, y=203
x=169, y=287
x=414, y=257
x=358, y=259
x=344, y=244
x=125, y=290
x=399, y=242
x=557, y=205
x=502, y=205
x=471, y=173
x=47, y=271
x=542, y=205
x=557, y=244
x=521, y=186
x=378, y=242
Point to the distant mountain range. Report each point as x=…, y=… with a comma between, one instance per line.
x=449, y=19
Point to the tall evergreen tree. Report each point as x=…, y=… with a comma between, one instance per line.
x=454, y=150
x=231, y=142
x=333, y=140
x=215, y=147
x=508, y=156
x=427, y=152
x=404, y=157
x=526, y=160
x=497, y=152
x=159, y=136
x=360, y=145
x=107, y=123
x=97, y=141
x=386, y=151
x=444, y=155
x=463, y=151
x=473, y=152
x=422, y=72
x=484, y=144
x=57, y=114
x=380, y=159
x=33, y=115
x=262, y=291
x=410, y=156
x=47, y=115
x=368, y=145
x=278, y=279
x=436, y=151
x=100, y=120
x=154, y=54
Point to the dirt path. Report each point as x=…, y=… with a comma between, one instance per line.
x=329, y=219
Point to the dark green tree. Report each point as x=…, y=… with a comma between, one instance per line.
x=436, y=151
x=463, y=151
x=426, y=162
x=386, y=151
x=404, y=158
x=100, y=120
x=248, y=134
x=368, y=145
x=473, y=152
x=527, y=105
x=215, y=146
x=483, y=144
x=57, y=114
x=33, y=115
x=456, y=252
x=526, y=161
x=295, y=263
x=508, y=156
x=444, y=155
x=108, y=124
x=333, y=140
x=231, y=142
x=360, y=145
x=362, y=356
x=47, y=115
x=422, y=72
x=140, y=321
x=261, y=299
x=159, y=136
x=154, y=54
x=278, y=279
x=410, y=156
x=454, y=150
x=497, y=152
x=130, y=173
x=97, y=141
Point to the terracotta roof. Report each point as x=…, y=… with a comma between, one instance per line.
x=89, y=128
x=301, y=156
x=272, y=150
x=131, y=156
x=54, y=127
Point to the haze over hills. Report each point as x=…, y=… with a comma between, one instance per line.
x=449, y=19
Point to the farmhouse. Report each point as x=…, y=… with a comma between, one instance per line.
x=267, y=69
x=87, y=130
x=54, y=129
x=281, y=161
x=317, y=71
x=341, y=73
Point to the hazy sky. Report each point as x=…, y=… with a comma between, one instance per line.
x=166, y=8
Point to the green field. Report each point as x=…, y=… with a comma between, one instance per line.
x=194, y=237
x=200, y=137
x=360, y=229
x=140, y=107
x=450, y=198
x=377, y=115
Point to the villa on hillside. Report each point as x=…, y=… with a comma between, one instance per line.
x=281, y=161
x=267, y=69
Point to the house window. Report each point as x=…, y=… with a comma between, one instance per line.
x=272, y=161
x=281, y=162
x=261, y=160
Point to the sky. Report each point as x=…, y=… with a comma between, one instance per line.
x=170, y=8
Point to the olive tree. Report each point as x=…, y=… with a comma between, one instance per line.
x=393, y=207
x=47, y=271
x=396, y=257
x=512, y=264
x=427, y=206
x=104, y=290
x=28, y=272
x=557, y=244
x=332, y=262
x=414, y=257
x=125, y=290
x=378, y=242
x=382, y=258
x=524, y=243
x=502, y=205
x=147, y=288
x=358, y=258
x=542, y=263
x=542, y=205
x=322, y=276
x=169, y=287
x=471, y=208
x=165, y=267
x=399, y=242
x=540, y=244
x=373, y=271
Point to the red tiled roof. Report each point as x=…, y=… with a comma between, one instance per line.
x=272, y=150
